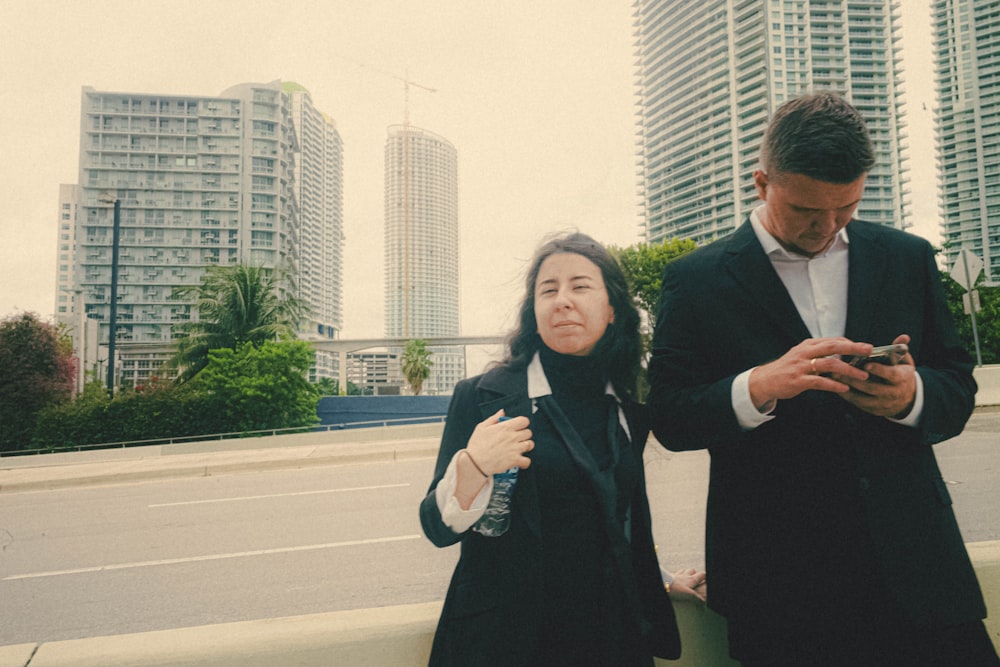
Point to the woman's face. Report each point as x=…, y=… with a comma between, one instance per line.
x=571, y=304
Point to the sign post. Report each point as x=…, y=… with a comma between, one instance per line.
x=965, y=273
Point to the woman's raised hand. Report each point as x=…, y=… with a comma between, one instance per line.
x=498, y=445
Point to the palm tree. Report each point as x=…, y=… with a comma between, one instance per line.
x=416, y=364
x=236, y=304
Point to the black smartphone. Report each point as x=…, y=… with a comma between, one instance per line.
x=889, y=355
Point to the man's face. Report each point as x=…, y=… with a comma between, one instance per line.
x=805, y=214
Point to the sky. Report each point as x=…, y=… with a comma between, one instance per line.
x=537, y=97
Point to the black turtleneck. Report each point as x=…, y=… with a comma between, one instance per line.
x=578, y=386
x=578, y=377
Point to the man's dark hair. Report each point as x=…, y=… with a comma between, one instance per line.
x=620, y=349
x=820, y=136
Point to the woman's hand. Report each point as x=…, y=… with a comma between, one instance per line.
x=498, y=445
x=494, y=446
x=688, y=584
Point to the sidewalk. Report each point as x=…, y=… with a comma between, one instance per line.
x=215, y=457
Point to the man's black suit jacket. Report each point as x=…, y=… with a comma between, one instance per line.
x=492, y=606
x=822, y=488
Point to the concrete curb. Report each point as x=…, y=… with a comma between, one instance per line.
x=381, y=636
x=17, y=655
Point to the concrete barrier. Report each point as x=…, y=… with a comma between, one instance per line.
x=398, y=636
x=988, y=379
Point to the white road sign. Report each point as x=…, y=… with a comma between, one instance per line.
x=966, y=269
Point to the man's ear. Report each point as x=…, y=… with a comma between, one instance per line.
x=760, y=182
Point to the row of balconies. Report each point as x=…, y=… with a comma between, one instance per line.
x=206, y=204
x=144, y=107
x=129, y=125
x=125, y=129
x=156, y=162
x=103, y=105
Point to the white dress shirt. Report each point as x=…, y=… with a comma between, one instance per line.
x=818, y=288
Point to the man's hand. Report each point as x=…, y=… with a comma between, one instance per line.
x=889, y=391
x=812, y=364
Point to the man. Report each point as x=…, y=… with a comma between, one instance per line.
x=830, y=538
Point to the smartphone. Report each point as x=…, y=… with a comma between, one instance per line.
x=889, y=355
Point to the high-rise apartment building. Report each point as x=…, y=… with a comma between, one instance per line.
x=202, y=181
x=711, y=72
x=966, y=38
x=421, y=246
x=65, y=247
x=319, y=193
x=68, y=293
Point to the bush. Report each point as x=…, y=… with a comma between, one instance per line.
x=253, y=388
x=37, y=371
x=262, y=387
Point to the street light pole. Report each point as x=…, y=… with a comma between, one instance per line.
x=113, y=323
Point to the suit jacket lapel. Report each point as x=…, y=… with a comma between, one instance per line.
x=866, y=280
x=750, y=267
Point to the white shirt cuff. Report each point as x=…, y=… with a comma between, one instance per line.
x=452, y=514
x=913, y=419
x=747, y=414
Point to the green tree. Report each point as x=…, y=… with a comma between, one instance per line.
x=643, y=264
x=987, y=319
x=36, y=367
x=236, y=305
x=261, y=387
x=416, y=364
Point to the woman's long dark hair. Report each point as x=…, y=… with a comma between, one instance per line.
x=619, y=350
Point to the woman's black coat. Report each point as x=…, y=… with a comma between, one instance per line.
x=493, y=603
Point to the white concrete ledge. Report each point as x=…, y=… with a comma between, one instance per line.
x=398, y=636
x=988, y=379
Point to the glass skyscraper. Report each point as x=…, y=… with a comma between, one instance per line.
x=711, y=72
x=966, y=37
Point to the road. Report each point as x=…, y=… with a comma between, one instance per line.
x=173, y=553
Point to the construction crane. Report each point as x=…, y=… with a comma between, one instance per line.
x=407, y=82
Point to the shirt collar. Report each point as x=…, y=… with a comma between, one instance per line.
x=774, y=250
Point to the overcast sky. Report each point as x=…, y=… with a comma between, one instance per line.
x=536, y=96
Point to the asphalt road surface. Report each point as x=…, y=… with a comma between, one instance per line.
x=174, y=553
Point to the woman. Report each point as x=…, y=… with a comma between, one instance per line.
x=574, y=579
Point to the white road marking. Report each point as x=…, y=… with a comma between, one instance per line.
x=278, y=495
x=198, y=559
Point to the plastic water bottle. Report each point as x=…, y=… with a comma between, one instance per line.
x=496, y=519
